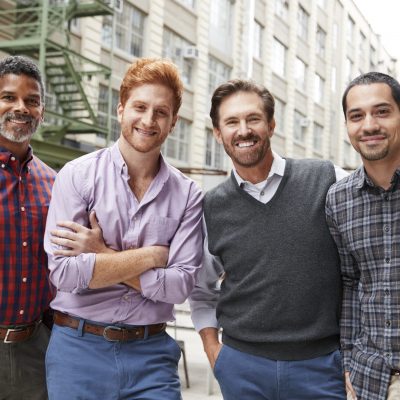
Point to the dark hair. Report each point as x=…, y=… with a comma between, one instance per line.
x=240, y=85
x=19, y=65
x=368, y=79
x=153, y=70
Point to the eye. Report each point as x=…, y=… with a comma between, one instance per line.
x=383, y=112
x=354, y=117
x=230, y=122
x=162, y=113
x=140, y=107
x=253, y=119
x=7, y=97
x=33, y=102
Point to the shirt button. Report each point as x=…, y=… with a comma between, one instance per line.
x=22, y=208
x=3, y=165
x=386, y=197
x=24, y=279
x=24, y=244
x=21, y=312
x=386, y=292
x=126, y=297
x=12, y=158
x=386, y=228
x=262, y=193
x=387, y=260
x=388, y=323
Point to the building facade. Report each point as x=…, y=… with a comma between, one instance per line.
x=304, y=51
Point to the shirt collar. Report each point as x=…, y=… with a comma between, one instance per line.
x=277, y=168
x=6, y=156
x=362, y=179
x=119, y=162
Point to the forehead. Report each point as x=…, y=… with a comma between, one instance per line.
x=152, y=93
x=241, y=103
x=19, y=83
x=365, y=96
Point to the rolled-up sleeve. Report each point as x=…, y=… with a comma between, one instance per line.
x=174, y=283
x=68, y=274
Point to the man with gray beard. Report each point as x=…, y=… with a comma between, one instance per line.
x=25, y=191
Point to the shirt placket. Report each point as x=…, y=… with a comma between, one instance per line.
x=387, y=261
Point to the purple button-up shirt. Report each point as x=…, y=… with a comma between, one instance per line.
x=169, y=214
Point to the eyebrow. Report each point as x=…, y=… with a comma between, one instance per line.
x=384, y=104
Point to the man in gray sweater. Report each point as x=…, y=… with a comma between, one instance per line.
x=271, y=276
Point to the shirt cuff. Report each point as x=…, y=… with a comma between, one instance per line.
x=204, y=318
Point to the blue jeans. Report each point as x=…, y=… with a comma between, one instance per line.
x=86, y=366
x=245, y=376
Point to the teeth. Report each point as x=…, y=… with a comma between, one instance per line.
x=245, y=144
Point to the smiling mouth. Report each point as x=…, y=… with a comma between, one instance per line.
x=144, y=132
x=373, y=139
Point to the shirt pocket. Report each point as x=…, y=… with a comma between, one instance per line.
x=160, y=230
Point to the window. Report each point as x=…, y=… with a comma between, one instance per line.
x=372, y=59
x=363, y=43
x=218, y=73
x=348, y=70
x=300, y=125
x=321, y=40
x=257, y=41
x=177, y=144
x=188, y=3
x=279, y=116
x=302, y=23
x=129, y=30
x=279, y=58
x=221, y=13
x=215, y=153
x=300, y=71
x=319, y=89
x=103, y=111
x=173, y=48
x=282, y=8
x=317, y=137
x=350, y=30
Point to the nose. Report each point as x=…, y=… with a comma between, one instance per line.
x=370, y=124
x=148, y=118
x=20, y=106
x=243, y=128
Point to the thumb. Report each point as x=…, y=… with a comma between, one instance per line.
x=93, y=220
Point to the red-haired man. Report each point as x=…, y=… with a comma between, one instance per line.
x=114, y=298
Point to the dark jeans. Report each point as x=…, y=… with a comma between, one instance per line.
x=22, y=369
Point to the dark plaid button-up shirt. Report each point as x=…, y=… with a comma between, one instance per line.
x=24, y=198
x=364, y=221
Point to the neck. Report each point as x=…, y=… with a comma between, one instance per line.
x=257, y=173
x=381, y=171
x=19, y=150
x=140, y=165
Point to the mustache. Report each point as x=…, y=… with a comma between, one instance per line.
x=17, y=117
x=250, y=136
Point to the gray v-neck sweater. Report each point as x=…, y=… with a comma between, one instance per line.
x=282, y=291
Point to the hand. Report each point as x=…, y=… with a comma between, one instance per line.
x=212, y=351
x=134, y=283
x=78, y=239
x=349, y=386
x=160, y=255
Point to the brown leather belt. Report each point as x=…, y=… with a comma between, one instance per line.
x=395, y=372
x=111, y=333
x=17, y=333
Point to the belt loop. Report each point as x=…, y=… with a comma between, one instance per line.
x=80, y=327
x=146, y=332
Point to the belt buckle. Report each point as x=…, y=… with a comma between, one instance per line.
x=115, y=328
x=11, y=330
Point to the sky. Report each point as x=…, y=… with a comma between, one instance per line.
x=383, y=16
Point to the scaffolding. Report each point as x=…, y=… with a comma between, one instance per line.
x=41, y=29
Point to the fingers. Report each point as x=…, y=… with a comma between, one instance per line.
x=63, y=234
x=74, y=226
x=62, y=242
x=93, y=220
x=66, y=253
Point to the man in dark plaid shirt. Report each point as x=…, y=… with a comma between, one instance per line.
x=363, y=214
x=25, y=188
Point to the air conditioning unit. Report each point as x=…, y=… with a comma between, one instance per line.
x=115, y=4
x=304, y=122
x=190, y=52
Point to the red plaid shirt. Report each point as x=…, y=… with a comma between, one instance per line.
x=24, y=198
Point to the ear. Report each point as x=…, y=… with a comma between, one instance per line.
x=174, y=121
x=120, y=111
x=217, y=135
x=271, y=127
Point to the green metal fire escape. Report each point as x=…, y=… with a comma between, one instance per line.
x=40, y=29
